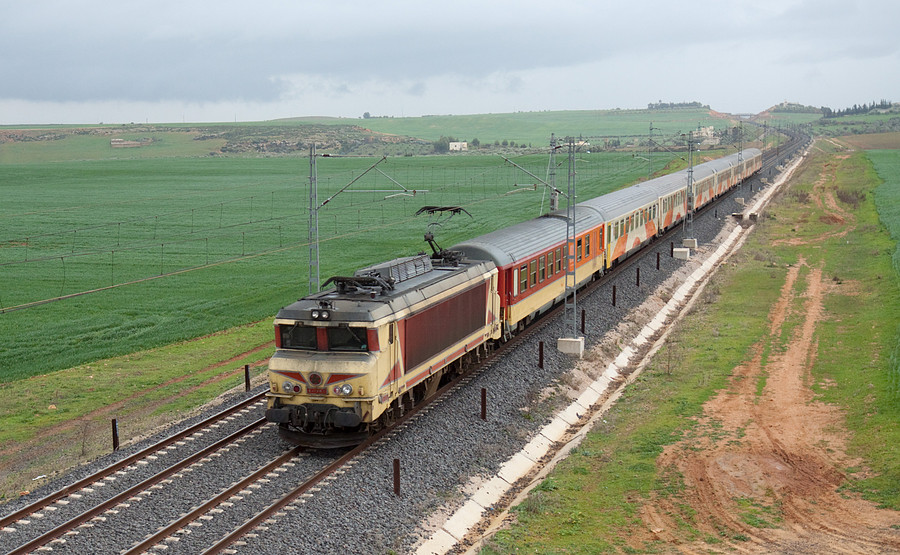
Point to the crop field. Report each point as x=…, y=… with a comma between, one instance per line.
x=535, y=127
x=102, y=258
x=887, y=200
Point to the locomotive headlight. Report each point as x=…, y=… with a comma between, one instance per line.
x=345, y=389
x=319, y=314
x=289, y=387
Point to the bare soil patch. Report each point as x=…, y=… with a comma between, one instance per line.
x=871, y=141
x=764, y=466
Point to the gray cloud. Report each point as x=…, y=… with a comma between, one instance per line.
x=340, y=54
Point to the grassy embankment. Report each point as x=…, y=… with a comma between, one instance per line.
x=591, y=502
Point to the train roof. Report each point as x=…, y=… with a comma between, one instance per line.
x=385, y=289
x=621, y=203
x=617, y=203
x=515, y=243
x=521, y=241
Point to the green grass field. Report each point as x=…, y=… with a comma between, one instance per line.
x=534, y=128
x=181, y=247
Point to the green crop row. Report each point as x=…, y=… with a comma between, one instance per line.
x=176, y=248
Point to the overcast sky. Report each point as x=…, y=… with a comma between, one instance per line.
x=87, y=61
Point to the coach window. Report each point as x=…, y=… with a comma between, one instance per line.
x=559, y=260
x=587, y=245
x=549, y=263
x=523, y=277
x=533, y=279
x=578, y=246
x=542, y=268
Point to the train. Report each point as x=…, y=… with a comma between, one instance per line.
x=354, y=358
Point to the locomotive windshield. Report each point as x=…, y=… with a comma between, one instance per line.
x=347, y=339
x=303, y=337
x=298, y=337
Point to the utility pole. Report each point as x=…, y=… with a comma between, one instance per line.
x=688, y=239
x=313, y=229
x=650, y=151
x=551, y=175
x=314, y=206
x=574, y=344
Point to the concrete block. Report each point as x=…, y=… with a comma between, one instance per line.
x=681, y=253
x=464, y=519
x=571, y=415
x=588, y=397
x=513, y=469
x=555, y=429
x=571, y=345
x=439, y=543
x=689, y=243
x=491, y=492
x=537, y=447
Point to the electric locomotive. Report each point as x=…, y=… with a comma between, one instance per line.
x=352, y=359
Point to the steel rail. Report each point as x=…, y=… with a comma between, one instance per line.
x=132, y=491
x=168, y=530
x=127, y=461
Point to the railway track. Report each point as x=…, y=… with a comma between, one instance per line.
x=270, y=514
x=26, y=520
x=277, y=508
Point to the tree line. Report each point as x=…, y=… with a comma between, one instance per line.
x=856, y=109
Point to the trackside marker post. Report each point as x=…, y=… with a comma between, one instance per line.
x=540, y=354
x=397, y=477
x=115, y=434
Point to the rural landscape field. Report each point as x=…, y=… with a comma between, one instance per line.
x=137, y=281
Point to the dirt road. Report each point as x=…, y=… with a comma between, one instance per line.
x=764, y=467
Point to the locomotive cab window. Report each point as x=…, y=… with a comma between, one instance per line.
x=347, y=339
x=298, y=337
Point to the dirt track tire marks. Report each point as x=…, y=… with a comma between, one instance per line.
x=763, y=469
